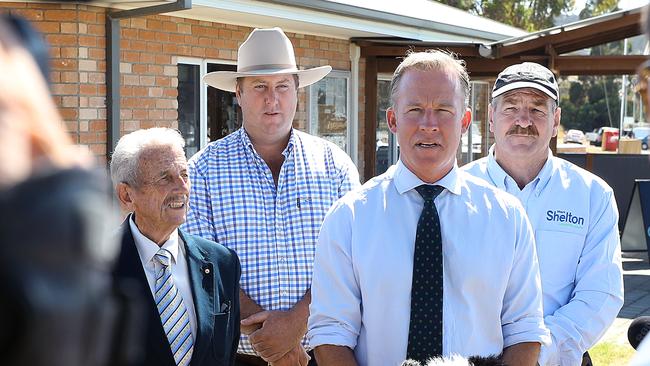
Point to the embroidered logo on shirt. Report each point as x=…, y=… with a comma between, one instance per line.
x=565, y=218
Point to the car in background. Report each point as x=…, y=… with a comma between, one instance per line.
x=640, y=132
x=574, y=136
x=644, y=143
x=592, y=137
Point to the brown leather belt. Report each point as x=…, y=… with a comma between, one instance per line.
x=249, y=360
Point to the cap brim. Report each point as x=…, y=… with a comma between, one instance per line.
x=521, y=85
x=227, y=80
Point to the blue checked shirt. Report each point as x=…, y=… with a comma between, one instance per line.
x=235, y=202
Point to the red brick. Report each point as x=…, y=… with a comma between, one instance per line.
x=97, y=54
x=155, y=114
x=171, y=114
x=61, y=39
x=155, y=69
x=154, y=24
x=140, y=113
x=128, y=56
x=96, y=29
x=163, y=59
x=146, y=35
x=69, y=52
x=87, y=17
x=147, y=58
x=88, y=41
x=97, y=126
x=48, y=27
x=129, y=33
x=163, y=81
x=64, y=64
x=154, y=47
x=68, y=113
x=87, y=89
x=70, y=77
x=140, y=23
x=60, y=15
x=170, y=48
x=138, y=45
x=170, y=27
x=139, y=68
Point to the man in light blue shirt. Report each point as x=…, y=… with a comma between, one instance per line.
x=572, y=211
x=263, y=191
x=364, y=276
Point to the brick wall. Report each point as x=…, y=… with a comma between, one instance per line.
x=149, y=45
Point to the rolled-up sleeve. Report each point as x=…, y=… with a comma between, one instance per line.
x=522, y=316
x=598, y=294
x=335, y=310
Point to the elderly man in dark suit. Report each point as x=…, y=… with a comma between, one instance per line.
x=190, y=285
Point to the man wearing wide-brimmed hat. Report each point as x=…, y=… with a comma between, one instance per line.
x=263, y=191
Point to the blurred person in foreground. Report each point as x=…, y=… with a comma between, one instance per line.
x=56, y=299
x=190, y=285
x=573, y=213
x=426, y=260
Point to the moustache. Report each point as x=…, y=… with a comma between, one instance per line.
x=526, y=131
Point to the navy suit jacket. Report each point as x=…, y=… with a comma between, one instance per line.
x=214, y=278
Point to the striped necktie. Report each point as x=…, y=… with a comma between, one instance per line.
x=173, y=313
x=425, y=328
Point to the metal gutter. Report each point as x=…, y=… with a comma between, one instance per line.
x=113, y=82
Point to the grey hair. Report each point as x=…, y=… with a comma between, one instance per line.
x=431, y=60
x=126, y=157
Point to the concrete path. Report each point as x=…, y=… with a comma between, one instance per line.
x=636, y=276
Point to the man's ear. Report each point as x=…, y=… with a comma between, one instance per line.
x=557, y=116
x=490, y=117
x=466, y=120
x=391, y=120
x=123, y=192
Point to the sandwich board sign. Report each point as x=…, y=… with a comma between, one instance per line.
x=636, y=231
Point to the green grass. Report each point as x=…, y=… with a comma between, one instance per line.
x=607, y=353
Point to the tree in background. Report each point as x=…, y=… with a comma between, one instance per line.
x=530, y=15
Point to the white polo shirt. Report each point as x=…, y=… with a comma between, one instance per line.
x=575, y=218
x=361, y=289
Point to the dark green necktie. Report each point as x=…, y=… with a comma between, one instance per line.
x=425, y=327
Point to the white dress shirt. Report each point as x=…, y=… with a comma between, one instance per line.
x=361, y=292
x=574, y=215
x=147, y=249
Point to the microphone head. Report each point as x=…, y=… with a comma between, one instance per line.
x=637, y=331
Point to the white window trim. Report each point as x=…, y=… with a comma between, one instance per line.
x=352, y=128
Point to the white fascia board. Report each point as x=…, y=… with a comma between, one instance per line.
x=300, y=20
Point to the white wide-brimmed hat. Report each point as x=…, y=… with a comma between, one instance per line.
x=265, y=52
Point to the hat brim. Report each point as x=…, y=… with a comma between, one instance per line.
x=521, y=85
x=227, y=80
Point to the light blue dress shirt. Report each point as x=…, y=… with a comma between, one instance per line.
x=147, y=249
x=361, y=289
x=574, y=215
x=234, y=201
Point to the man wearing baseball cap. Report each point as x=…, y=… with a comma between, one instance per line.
x=263, y=191
x=572, y=211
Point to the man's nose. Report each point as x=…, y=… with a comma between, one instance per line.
x=523, y=118
x=429, y=120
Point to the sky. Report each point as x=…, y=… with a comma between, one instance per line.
x=623, y=4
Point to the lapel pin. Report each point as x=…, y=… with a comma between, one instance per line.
x=207, y=271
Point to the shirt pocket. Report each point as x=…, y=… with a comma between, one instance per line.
x=558, y=253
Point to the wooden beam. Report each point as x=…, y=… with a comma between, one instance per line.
x=598, y=65
x=599, y=29
x=370, y=125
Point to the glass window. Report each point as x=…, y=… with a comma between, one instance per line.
x=328, y=109
x=384, y=138
x=224, y=113
x=189, y=117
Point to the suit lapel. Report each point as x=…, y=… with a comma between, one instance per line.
x=202, y=280
x=129, y=267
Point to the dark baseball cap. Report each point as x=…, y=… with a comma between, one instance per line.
x=526, y=75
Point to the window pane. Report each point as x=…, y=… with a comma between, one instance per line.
x=189, y=117
x=383, y=137
x=328, y=106
x=224, y=114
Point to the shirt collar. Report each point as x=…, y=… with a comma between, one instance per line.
x=147, y=248
x=246, y=141
x=499, y=176
x=405, y=180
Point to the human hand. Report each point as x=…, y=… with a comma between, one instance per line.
x=279, y=333
x=296, y=356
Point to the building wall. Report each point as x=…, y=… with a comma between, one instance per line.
x=149, y=48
